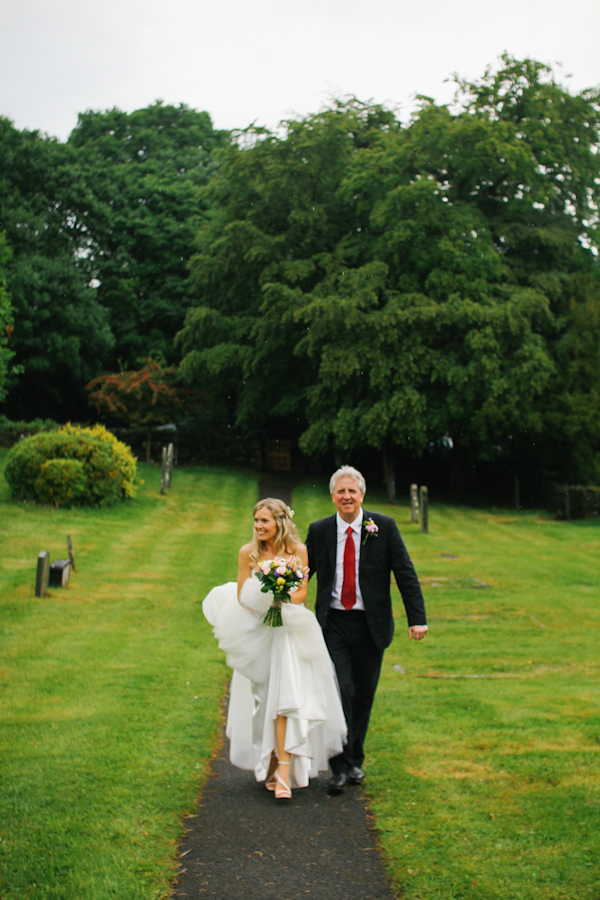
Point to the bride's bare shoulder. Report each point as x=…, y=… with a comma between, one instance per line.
x=245, y=551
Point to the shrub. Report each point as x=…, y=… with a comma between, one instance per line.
x=104, y=470
x=61, y=481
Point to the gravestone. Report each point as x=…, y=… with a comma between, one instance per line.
x=59, y=573
x=424, y=498
x=414, y=503
x=41, y=578
x=169, y=465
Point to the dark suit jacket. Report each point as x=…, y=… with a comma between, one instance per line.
x=379, y=557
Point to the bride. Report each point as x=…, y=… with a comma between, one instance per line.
x=285, y=717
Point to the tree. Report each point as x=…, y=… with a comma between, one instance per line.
x=145, y=397
x=546, y=223
x=136, y=206
x=569, y=446
x=101, y=231
x=394, y=286
x=6, y=322
x=275, y=210
x=61, y=334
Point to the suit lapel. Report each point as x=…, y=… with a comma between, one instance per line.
x=331, y=540
x=365, y=546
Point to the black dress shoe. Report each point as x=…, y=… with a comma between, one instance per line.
x=337, y=783
x=355, y=775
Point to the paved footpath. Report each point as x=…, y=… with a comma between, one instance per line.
x=244, y=845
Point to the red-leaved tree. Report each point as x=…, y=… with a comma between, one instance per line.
x=146, y=397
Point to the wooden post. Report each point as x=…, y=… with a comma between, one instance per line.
x=42, y=575
x=414, y=503
x=163, y=473
x=169, y=464
x=71, y=553
x=424, y=497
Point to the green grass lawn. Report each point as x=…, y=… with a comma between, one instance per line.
x=483, y=753
x=110, y=688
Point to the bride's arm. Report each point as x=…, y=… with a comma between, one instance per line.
x=299, y=596
x=244, y=568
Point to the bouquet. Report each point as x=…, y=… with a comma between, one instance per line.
x=280, y=576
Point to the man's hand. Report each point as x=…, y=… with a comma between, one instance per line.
x=417, y=632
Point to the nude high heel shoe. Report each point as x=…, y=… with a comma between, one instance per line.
x=283, y=790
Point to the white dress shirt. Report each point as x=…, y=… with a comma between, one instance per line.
x=342, y=527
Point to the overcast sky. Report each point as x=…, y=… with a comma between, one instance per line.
x=265, y=60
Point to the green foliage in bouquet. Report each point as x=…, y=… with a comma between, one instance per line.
x=72, y=466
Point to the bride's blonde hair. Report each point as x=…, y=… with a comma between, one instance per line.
x=286, y=536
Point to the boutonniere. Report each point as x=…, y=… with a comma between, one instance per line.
x=369, y=528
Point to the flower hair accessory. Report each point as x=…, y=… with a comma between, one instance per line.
x=290, y=512
x=370, y=529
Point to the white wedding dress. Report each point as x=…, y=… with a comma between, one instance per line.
x=277, y=671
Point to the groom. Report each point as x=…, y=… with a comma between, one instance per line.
x=353, y=554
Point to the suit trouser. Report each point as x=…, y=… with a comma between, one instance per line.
x=357, y=660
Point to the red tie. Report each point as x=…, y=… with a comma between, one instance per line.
x=348, y=597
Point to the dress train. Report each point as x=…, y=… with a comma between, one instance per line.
x=276, y=671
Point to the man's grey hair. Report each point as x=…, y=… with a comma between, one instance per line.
x=349, y=472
